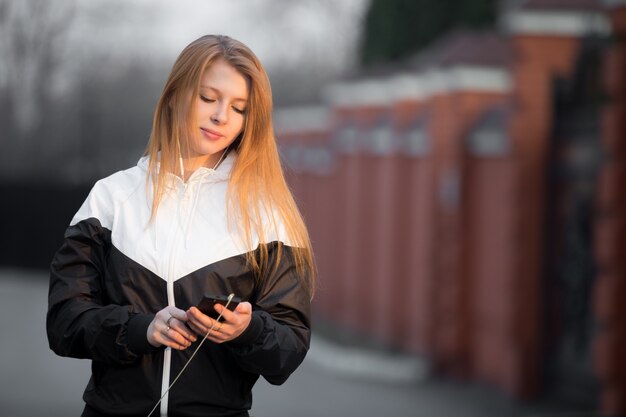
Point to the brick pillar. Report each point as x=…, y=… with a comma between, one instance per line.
x=610, y=233
x=375, y=280
x=453, y=289
x=348, y=190
x=447, y=291
x=541, y=58
x=417, y=254
x=492, y=212
x=415, y=233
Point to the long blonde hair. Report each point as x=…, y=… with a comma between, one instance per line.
x=257, y=190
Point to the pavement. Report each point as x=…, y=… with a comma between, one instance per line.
x=334, y=380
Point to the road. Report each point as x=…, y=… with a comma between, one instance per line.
x=333, y=380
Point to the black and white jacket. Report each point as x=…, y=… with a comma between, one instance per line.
x=116, y=269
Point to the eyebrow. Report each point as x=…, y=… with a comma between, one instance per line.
x=219, y=92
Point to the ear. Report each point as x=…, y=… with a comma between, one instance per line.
x=170, y=100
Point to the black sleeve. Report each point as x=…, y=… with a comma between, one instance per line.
x=79, y=322
x=277, y=339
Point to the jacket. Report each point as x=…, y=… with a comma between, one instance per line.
x=116, y=269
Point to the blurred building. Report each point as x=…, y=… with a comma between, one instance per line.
x=467, y=204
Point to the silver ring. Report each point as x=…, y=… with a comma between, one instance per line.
x=168, y=321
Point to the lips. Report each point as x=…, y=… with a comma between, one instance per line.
x=211, y=134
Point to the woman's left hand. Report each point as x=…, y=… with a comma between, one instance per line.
x=232, y=325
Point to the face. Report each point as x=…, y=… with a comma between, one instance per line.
x=220, y=110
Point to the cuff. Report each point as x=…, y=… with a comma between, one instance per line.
x=254, y=330
x=138, y=334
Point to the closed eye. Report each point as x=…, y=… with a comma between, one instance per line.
x=212, y=100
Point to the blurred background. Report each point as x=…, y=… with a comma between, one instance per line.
x=460, y=165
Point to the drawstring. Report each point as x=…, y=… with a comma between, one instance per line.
x=185, y=227
x=197, y=183
x=194, y=204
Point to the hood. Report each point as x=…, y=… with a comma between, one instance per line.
x=203, y=174
x=175, y=186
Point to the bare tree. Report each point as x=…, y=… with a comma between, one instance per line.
x=31, y=40
x=31, y=35
x=86, y=47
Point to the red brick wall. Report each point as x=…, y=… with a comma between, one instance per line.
x=610, y=235
x=416, y=256
x=491, y=264
x=314, y=195
x=460, y=282
x=453, y=116
x=540, y=60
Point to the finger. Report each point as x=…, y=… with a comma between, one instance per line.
x=182, y=329
x=180, y=325
x=220, y=309
x=177, y=313
x=233, y=316
x=227, y=315
x=244, y=308
x=175, y=318
x=174, y=336
x=239, y=316
x=237, y=323
x=162, y=336
x=199, y=327
x=199, y=318
x=197, y=330
x=218, y=336
x=220, y=329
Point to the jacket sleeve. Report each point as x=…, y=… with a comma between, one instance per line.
x=277, y=339
x=80, y=323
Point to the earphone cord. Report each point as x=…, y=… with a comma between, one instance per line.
x=230, y=297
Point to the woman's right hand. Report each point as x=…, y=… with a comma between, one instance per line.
x=168, y=328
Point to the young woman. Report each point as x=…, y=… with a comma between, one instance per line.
x=206, y=211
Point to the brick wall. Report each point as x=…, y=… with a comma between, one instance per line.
x=610, y=233
x=441, y=253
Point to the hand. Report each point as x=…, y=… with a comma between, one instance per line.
x=168, y=328
x=234, y=324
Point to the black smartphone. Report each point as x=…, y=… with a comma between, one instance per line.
x=207, y=304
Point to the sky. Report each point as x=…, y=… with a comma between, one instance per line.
x=55, y=52
x=286, y=35
x=303, y=44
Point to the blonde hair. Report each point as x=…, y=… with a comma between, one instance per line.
x=257, y=190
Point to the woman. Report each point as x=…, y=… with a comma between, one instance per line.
x=205, y=211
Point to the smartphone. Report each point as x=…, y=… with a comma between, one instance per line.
x=207, y=304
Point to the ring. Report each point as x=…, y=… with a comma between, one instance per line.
x=168, y=329
x=168, y=321
x=220, y=327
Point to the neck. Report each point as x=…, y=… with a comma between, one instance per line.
x=191, y=163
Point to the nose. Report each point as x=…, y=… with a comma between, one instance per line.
x=220, y=116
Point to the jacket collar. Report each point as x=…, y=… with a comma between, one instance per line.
x=202, y=174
